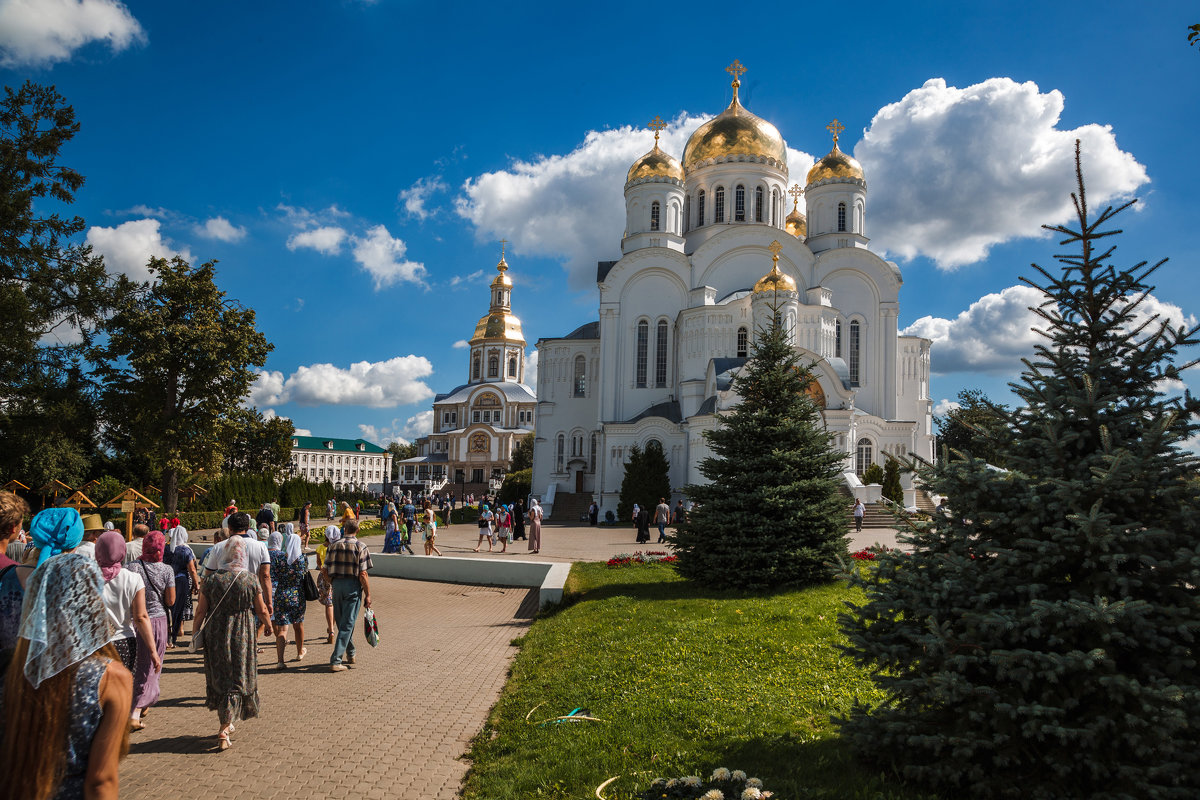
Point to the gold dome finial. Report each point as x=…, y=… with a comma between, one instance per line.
x=503, y=265
x=795, y=192
x=656, y=125
x=736, y=69
x=836, y=129
x=775, y=247
x=775, y=281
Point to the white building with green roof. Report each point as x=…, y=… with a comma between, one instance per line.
x=352, y=464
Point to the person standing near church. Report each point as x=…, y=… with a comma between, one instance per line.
x=535, y=527
x=518, y=520
x=859, y=510
x=346, y=564
x=662, y=515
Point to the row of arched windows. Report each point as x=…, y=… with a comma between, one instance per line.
x=642, y=355
x=493, y=366
x=560, y=451
x=743, y=209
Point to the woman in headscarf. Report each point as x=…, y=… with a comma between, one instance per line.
x=65, y=723
x=124, y=599
x=182, y=561
x=229, y=599
x=535, y=526
x=391, y=528
x=324, y=587
x=288, y=569
x=160, y=596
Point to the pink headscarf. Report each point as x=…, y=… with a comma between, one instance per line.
x=153, y=545
x=110, y=553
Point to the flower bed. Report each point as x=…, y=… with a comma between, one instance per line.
x=648, y=557
x=721, y=785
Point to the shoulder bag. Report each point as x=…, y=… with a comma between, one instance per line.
x=308, y=587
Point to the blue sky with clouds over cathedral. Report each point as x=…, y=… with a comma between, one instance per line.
x=352, y=165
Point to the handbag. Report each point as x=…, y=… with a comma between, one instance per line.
x=309, y=587
x=370, y=627
x=197, y=642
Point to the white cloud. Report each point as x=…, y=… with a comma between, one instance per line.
x=461, y=344
x=997, y=331
x=303, y=432
x=945, y=406
x=382, y=255
x=127, y=247
x=416, y=426
x=416, y=196
x=302, y=218
x=44, y=32
x=953, y=172
x=531, y=367
x=326, y=240
x=221, y=229
x=460, y=280
x=567, y=206
x=380, y=384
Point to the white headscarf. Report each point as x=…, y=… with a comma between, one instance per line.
x=288, y=529
x=294, y=552
x=332, y=534
x=108, y=526
x=275, y=541
x=233, y=556
x=178, y=536
x=264, y=533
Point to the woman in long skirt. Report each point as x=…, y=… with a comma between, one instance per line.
x=535, y=526
x=182, y=560
x=160, y=596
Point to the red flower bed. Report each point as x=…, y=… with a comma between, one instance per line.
x=649, y=557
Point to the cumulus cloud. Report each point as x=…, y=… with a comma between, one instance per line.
x=945, y=406
x=326, y=240
x=303, y=432
x=531, y=367
x=127, y=247
x=954, y=172
x=382, y=255
x=460, y=280
x=461, y=344
x=44, y=32
x=571, y=206
x=221, y=229
x=416, y=196
x=381, y=384
x=405, y=432
x=998, y=330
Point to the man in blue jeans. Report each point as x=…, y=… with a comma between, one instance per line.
x=346, y=563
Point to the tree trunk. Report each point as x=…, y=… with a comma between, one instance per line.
x=170, y=490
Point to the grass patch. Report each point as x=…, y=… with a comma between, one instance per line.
x=687, y=680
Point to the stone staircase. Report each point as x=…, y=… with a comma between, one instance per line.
x=570, y=507
x=876, y=516
x=925, y=502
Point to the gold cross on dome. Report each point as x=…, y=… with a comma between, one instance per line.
x=836, y=129
x=795, y=192
x=775, y=247
x=656, y=125
x=736, y=69
x=503, y=265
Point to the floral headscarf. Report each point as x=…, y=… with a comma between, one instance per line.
x=63, y=617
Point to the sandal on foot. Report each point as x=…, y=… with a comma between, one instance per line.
x=136, y=725
x=223, y=743
x=300, y=656
x=281, y=665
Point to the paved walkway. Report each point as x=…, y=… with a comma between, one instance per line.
x=396, y=725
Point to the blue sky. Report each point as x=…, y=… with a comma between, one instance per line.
x=353, y=165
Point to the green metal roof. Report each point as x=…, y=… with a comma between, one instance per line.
x=339, y=445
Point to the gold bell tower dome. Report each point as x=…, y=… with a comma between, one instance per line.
x=498, y=344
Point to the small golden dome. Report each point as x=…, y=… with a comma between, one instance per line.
x=498, y=325
x=835, y=165
x=655, y=164
x=796, y=223
x=502, y=279
x=775, y=281
x=735, y=132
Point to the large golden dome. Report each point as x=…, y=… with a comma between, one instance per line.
x=735, y=132
x=775, y=280
x=835, y=165
x=655, y=164
x=498, y=325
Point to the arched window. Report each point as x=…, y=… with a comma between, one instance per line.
x=719, y=211
x=758, y=204
x=837, y=338
x=863, y=456
x=739, y=204
x=687, y=213
x=580, y=376
x=643, y=344
x=841, y=217
x=660, y=356
x=561, y=453
x=654, y=215
x=743, y=343
x=475, y=368
x=592, y=455
x=512, y=367
x=700, y=209
x=493, y=367
x=775, y=214
x=655, y=443
x=855, y=360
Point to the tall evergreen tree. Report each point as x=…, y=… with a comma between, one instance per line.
x=771, y=513
x=647, y=478
x=1041, y=639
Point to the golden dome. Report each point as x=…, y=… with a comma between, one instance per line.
x=835, y=165
x=735, y=132
x=655, y=164
x=498, y=325
x=502, y=279
x=796, y=223
x=775, y=280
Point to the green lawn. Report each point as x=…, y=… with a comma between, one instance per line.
x=687, y=680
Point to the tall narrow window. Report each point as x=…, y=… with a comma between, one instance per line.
x=687, y=213
x=562, y=446
x=654, y=215
x=841, y=217
x=837, y=338
x=493, y=367
x=743, y=343
x=643, y=343
x=863, y=456
x=580, y=376
x=855, y=352
x=660, y=356
x=592, y=455
x=776, y=215
x=512, y=367
x=475, y=368
x=739, y=204
x=758, y=204
x=719, y=210
x=700, y=209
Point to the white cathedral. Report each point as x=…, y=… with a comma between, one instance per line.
x=708, y=251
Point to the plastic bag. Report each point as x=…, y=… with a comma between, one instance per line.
x=370, y=627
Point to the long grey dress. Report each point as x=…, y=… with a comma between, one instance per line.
x=230, y=657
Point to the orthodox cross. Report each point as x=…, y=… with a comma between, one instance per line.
x=775, y=247
x=836, y=129
x=795, y=192
x=503, y=265
x=656, y=125
x=736, y=69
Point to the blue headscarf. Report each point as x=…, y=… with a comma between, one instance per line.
x=55, y=531
x=63, y=617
